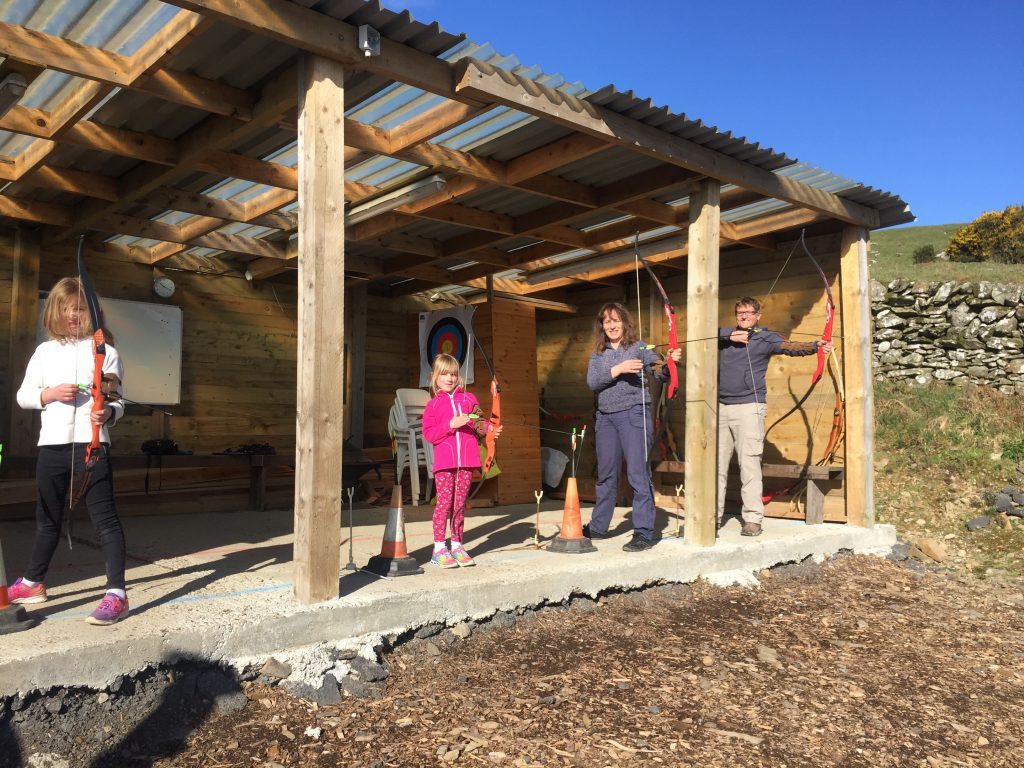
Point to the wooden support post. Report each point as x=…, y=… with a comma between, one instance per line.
x=257, y=483
x=814, y=504
x=355, y=386
x=321, y=316
x=855, y=292
x=702, y=365
x=24, y=320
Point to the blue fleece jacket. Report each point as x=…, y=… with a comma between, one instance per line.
x=618, y=394
x=742, y=367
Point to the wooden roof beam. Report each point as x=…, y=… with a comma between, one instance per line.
x=204, y=144
x=167, y=42
x=64, y=55
x=624, y=195
x=263, y=205
x=111, y=69
x=477, y=83
x=153, y=149
x=34, y=211
x=675, y=246
x=309, y=30
x=483, y=82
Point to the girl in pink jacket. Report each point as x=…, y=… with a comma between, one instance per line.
x=449, y=423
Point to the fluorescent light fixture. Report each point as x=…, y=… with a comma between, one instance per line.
x=554, y=306
x=458, y=300
x=606, y=260
x=396, y=198
x=12, y=88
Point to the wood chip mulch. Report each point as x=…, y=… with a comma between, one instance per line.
x=859, y=662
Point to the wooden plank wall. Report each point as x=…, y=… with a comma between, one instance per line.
x=511, y=327
x=506, y=329
x=795, y=306
x=238, y=354
x=238, y=377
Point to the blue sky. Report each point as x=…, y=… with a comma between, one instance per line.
x=924, y=99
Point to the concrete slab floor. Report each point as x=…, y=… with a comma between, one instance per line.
x=219, y=586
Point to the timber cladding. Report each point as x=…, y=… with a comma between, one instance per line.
x=795, y=308
x=507, y=330
x=237, y=377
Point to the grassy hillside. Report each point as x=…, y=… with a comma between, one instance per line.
x=892, y=258
x=941, y=453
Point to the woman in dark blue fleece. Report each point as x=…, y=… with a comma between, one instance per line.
x=623, y=421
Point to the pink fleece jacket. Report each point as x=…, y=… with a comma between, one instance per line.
x=452, y=448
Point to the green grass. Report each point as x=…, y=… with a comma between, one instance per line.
x=941, y=453
x=892, y=253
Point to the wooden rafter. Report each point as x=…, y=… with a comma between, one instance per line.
x=487, y=83
x=475, y=83
x=166, y=43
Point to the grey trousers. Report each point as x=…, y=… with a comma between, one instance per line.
x=741, y=429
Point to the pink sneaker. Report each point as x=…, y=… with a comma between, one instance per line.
x=462, y=557
x=444, y=559
x=20, y=592
x=110, y=610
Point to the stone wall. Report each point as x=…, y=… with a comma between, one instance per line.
x=958, y=332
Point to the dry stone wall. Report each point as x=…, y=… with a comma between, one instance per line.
x=956, y=332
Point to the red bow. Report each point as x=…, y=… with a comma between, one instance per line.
x=673, y=339
x=493, y=423
x=99, y=356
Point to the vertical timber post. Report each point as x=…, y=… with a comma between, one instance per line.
x=855, y=290
x=24, y=318
x=355, y=387
x=702, y=365
x=321, y=282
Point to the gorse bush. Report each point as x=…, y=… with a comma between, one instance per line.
x=993, y=236
x=1013, y=449
x=924, y=254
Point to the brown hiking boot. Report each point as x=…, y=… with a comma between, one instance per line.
x=750, y=529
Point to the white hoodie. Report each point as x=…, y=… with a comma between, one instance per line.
x=56, y=362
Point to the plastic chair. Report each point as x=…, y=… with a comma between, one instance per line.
x=405, y=424
x=414, y=401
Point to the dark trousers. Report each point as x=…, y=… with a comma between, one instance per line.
x=53, y=478
x=621, y=435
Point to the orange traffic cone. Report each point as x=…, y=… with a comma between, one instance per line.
x=12, y=617
x=570, y=539
x=394, y=559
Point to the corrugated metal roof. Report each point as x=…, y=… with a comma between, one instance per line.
x=227, y=54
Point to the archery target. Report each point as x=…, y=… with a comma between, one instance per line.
x=448, y=331
x=448, y=336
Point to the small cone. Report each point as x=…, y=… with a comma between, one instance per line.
x=394, y=559
x=12, y=617
x=570, y=539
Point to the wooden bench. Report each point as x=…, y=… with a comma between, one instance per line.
x=817, y=479
x=258, y=463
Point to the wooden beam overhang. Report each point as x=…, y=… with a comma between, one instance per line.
x=478, y=83
x=484, y=82
x=469, y=89
x=164, y=44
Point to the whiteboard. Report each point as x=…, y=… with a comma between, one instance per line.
x=148, y=339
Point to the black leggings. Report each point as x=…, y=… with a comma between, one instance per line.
x=53, y=477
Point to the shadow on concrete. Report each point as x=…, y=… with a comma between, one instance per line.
x=197, y=691
x=232, y=556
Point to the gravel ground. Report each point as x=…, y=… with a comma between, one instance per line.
x=858, y=662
